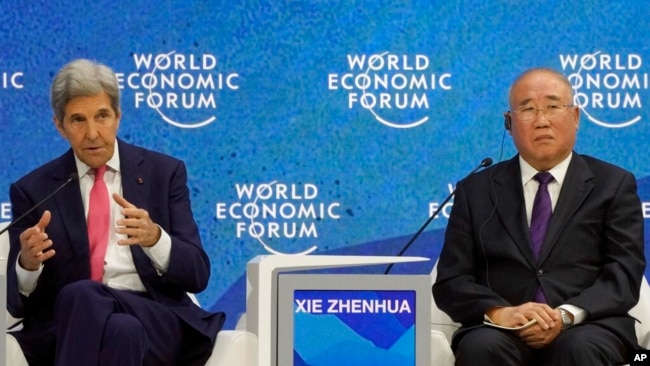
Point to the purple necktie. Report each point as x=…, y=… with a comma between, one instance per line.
x=541, y=216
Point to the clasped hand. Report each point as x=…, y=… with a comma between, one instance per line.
x=538, y=335
x=35, y=244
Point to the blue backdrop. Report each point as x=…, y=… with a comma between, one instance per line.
x=338, y=125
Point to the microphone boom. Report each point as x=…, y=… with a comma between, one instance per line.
x=71, y=177
x=484, y=164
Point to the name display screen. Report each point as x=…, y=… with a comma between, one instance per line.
x=354, y=327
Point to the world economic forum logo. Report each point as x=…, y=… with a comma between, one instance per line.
x=271, y=213
x=181, y=88
x=395, y=89
x=608, y=87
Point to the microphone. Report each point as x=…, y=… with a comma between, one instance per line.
x=73, y=176
x=484, y=164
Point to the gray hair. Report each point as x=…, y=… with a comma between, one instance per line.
x=83, y=78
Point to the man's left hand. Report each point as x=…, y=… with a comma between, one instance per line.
x=136, y=224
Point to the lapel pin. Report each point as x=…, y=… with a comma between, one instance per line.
x=139, y=180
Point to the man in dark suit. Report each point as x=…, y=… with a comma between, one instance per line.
x=579, y=282
x=135, y=310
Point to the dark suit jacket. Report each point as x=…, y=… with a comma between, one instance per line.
x=150, y=180
x=592, y=256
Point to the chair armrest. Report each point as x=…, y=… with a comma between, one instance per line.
x=234, y=348
x=15, y=356
x=12, y=323
x=641, y=311
x=441, y=354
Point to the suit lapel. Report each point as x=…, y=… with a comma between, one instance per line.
x=575, y=189
x=70, y=206
x=135, y=177
x=511, y=206
x=136, y=182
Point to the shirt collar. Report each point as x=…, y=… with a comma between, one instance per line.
x=113, y=163
x=558, y=171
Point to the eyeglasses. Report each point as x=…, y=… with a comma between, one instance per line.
x=526, y=114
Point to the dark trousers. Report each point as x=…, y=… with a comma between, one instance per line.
x=582, y=345
x=98, y=325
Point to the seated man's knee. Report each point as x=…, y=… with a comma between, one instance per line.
x=77, y=291
x=588, y=342
x=487, y=346
x=124, y=327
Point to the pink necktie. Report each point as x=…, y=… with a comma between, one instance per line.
x=99, y=212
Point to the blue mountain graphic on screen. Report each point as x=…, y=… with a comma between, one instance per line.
x=385, y=328
x=326, y=340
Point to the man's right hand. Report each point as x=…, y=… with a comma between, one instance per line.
x=512, y=316
x=34, y=243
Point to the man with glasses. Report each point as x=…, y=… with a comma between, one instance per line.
x=548, y=245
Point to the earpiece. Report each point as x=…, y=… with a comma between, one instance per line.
x=507, y=122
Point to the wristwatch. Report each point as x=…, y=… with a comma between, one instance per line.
x=566, y=319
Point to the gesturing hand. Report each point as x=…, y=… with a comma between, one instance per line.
x=136, y=224
x=34, y=243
